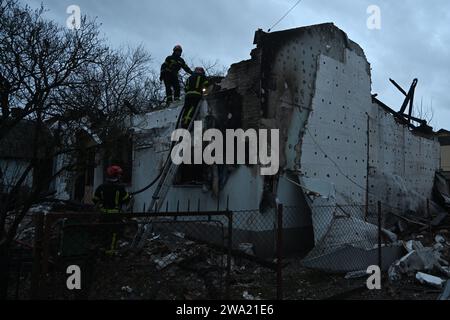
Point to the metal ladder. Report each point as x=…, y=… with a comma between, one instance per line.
x=165, y=182
x=169, y=171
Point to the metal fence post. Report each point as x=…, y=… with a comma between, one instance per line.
x=37, y=255
x=380, y=262
x=45, y=256
x=279, y=252
x=229, y=253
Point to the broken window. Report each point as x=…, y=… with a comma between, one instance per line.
x=191, y=175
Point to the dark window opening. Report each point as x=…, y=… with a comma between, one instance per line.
x=191, y=175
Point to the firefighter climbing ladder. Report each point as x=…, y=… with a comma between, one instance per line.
x=160, y=193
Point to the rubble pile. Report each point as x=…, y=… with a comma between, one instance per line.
x=429, y=265
x=25, y=230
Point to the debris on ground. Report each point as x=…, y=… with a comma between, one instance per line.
x=179, y=235
x=248, y=296
x=445, y=295
x=165, y=261
x=429, y=263
x=247, y=248
x=127, y=289
x=440, y=239
x=173, y=265
x=430, y=280
x=356, y=274
x=419, y=258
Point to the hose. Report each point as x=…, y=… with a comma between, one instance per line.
x=165, y=163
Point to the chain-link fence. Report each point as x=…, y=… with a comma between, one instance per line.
x=344, y=239
x=283, y=252
x=257, y=254
x=179, y=256
x=315, y=248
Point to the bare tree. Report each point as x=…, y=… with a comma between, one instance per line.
x=38, y=61
x=61, y=83
x=38, y=57
x=214, y=70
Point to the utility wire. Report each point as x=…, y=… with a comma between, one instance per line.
x=285, y=15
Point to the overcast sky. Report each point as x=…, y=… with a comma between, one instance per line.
x=414, y=39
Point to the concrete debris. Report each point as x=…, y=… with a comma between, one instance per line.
x=441, y=216
x=248, y=296
x=123, y=244
x=412, y=245
x=127, y=289
x=41, y=208
x=440, y=239
x=394, y=274
x=179, y=235
x=446, y=270
x=154, y=238
x=422, y=259
x=356, y=274
x=445, y=295
x=166, y=261
x=419, y=258
x=430, y=280
x=247, y=248
x=390, y=235
x=439, y=247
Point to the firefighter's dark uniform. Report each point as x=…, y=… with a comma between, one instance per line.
x=169, y=74
x=110, y=197
x=194, y=92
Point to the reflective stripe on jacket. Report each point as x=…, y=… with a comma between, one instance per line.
x=195, y=84
x=110, y=197
x=173, y=64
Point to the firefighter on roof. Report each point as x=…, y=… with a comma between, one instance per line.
x=195, y=87
x=169, y=73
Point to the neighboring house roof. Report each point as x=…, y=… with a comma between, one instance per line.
x=19, y=142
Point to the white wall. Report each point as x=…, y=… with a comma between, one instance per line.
x=322, y=101
x=150, y=152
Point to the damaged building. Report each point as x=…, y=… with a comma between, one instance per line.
x=339, y=144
